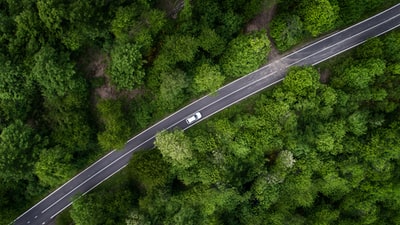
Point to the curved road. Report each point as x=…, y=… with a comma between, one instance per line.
x=45, y=211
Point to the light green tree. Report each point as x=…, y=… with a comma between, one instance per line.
x=302, y=81
x=116, y=127
x=208, y=78
x=171, y=90
x=245, y=54
x=318, y=16
x=54, y=166
x=175, y=148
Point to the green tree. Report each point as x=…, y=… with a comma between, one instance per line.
x=54, y=166
x=126, y=67
x=180, y=48
x=101, y=208
x=232, y=23
x=54, y=72
x=175, y=148
x=16, y=92
x=284, y=161
x=318, y=16
x=211, y=42
x=29, y=34
x=351, y=10
x=362, y=74
x=392, y=46
x=123, y=21
x=149, y=169
x=245, y=54
x=302, y=81
x=138, y=23
x=373, y=48
x=52, y=12
x=357, y=123
x=286, y=30
x=265, y=192
x=333, y=186
x=136, y=218
x=70, y=129
x=298, y=191
x=116, y=127
x=17, y=150
x=171, y=90
x=208, y=78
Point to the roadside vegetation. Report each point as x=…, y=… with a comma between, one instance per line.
x=78, y=78
x=304, y=152
x=299, y=20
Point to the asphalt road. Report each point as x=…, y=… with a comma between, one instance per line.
x=314, y=53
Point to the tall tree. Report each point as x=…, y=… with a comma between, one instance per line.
x=208, y=78
x=18, y=149
x=175, y=148
x=54, y=72
x=286, y=30
x=54, y=166
x=126, y=67
x=319, y=16
x=116, y=127
x=171, y=90
x=245, y=54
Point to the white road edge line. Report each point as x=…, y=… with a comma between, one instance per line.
x=111, y=163
x=196, y=101
x=341, y=31
x=208, y=106
x=237, y=80
x=362, y=42
x=275, y=82
x=88, y=191
x=222, y=98
x=64, y=185
x=337, y=43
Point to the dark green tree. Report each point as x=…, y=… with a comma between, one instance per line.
x=126, y=67
x=18, y=149
x=286, y=30
x=54, y=72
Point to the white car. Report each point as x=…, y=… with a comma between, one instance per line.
x=193, y=118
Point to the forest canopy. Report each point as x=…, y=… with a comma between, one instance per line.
x=303, y=152
x=78, y=78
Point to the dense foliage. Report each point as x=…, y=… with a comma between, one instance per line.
x=305, y=152
x=300, y=19
x=78, y=78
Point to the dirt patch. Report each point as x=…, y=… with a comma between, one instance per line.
x=95, y=63
x=172, y=7
x=324, y=75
